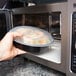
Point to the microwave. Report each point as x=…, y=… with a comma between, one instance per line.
x=52, y=18
x=59, y=19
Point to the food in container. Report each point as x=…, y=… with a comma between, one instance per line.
x=33, y=37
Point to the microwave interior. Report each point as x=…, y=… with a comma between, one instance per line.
x=50, y=22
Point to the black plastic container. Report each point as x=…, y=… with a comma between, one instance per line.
x=27, y=48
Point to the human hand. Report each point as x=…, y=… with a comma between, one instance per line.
x=7, y=50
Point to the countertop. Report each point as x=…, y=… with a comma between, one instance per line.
x=20, y=66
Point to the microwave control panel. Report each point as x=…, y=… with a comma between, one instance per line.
x=73, y=45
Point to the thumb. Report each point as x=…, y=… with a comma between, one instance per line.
x=19, y=51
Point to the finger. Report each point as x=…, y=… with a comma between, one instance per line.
x=16, y=34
